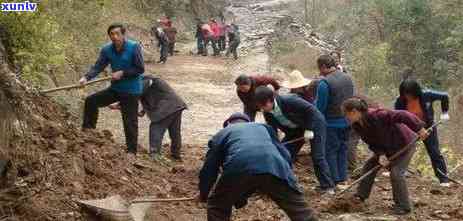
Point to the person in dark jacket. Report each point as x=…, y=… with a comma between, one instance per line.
x=332, y=91
x=298, y=118
x=421, y=103
x=246, y=86
x=171, y=34
x=164, y=109
x=252, y=159
x=386, y=132
x=163, y=43
x=199, y=36
x=126, y=60
x=234, y=40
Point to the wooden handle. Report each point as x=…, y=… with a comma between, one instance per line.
x=391, y=159
x=154, y=200
x=294, y=141
x=69, y=87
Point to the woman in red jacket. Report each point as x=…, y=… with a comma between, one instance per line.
x=386, y=132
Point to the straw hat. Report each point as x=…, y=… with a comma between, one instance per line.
x=296, y=80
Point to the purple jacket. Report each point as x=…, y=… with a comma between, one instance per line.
x=387, y=131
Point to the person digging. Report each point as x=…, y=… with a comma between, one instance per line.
x=245, y=88
x=420, y=102
x=126, y=60
x=252, y=160
x=164, y=108
x=386, y=133
x=298, y=118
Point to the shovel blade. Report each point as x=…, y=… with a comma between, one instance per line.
x=138, y=210
x=110, y=208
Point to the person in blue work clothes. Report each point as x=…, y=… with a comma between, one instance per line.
x=334, y=88
x=298, y=118
x=420, y=102
x=252, y=160
x=127, y=65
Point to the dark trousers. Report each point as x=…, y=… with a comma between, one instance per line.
x=437, y=159
x=227, y=194
x=336, y=152
x=164, y=52
x=129, y=110
x=200, y=45
x=213, y=42
x=352, y=145
x=157, y=130
x=318, y=152
x=398, y=180
x=222, y=43
x=233, y=49
x=171, y=48
x=251, y=112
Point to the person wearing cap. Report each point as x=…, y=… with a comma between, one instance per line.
x=297, y=118
x=245, y=88
x=252, y=160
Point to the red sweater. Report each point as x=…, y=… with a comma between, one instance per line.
x=387, y=131
x=248, y=98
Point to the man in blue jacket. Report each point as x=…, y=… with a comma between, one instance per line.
x=252, y=159
x=334, y=88
x=127, y=65
x=296, y=118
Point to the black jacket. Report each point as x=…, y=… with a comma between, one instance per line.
x=159, y=100
x=427, y=100
x=297, y=110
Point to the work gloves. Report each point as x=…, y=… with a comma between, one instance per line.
x=308, y=135
x=444, y=117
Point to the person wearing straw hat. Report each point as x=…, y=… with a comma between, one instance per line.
x=305, y=88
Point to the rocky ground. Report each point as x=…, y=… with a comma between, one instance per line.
x=62, y=164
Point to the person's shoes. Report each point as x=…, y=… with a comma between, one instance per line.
x=177, y=158
x=155, y=157
x=132, y=157
x=445, y=184
x=328, y=192
x=342, y=186
x=400, y=211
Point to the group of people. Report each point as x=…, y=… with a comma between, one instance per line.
x=217, y=34
x=166, y=36
x=249, y=156
x=325, y=113
x=129, y=87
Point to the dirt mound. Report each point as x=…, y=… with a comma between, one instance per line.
x=344, y=205
x=54, y=163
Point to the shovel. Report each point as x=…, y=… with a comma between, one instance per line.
x=69, y=87
x=116, y=208
x=392, y=158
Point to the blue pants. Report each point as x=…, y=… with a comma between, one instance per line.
x=200, y=45
x=317, y=145
x=437, y=160
x=336, y=152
